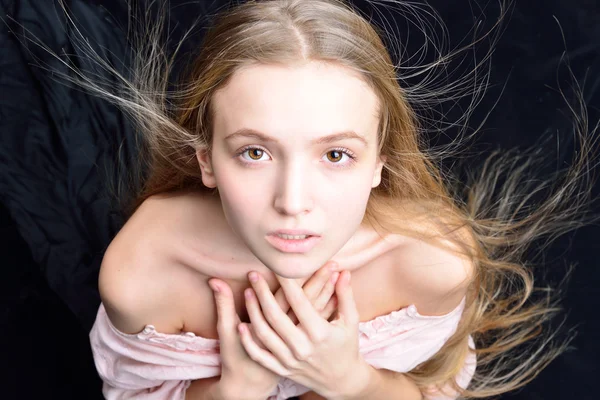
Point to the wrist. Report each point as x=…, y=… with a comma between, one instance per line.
x=216, y=393
x=222, y=391
x=204, y=389
x=361, y=385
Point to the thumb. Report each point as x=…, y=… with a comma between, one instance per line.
x=345, y=297
x=227, y=318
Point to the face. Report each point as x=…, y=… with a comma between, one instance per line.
x=294, y=148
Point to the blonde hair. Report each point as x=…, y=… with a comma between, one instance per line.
x=492, y=219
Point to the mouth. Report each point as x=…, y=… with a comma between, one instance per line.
x=293, y=237
x=293, y=243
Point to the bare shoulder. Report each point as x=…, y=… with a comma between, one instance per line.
x=434, y=274
x=141, y=276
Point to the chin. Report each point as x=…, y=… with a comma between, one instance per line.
x=291, y=270
x=289, y=274
x=294, y=265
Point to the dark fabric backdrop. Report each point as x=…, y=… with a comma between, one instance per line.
x=57, y=152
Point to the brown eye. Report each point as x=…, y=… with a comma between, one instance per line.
x=337, y=155
x=255, y=153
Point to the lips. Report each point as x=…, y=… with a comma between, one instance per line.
x=293, y=232
x=293, y=245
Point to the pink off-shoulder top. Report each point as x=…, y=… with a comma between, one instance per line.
x=155, y=366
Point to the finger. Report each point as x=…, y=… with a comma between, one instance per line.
x=318, y=280
x=309, y=318
x=293, y=337
x=325, y=304
x=323, y=281
x=263, y=331
x=330, y=308
x=258, y=342
x=259, y=355
x=281, y=300
x=292, y=317
x=227, y=317
x=325, y=313
x=346, y=305
x=327, y=291
x=311, y=288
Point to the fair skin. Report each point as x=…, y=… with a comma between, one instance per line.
x=290, y=180
x=157, y=268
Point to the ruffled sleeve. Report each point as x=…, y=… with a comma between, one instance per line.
x=156, y=366
x=150, y=365
x=462, y=379
x=401, y=340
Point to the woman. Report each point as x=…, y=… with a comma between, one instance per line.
x=240, y=161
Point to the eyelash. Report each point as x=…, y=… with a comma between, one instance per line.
x=348, y=152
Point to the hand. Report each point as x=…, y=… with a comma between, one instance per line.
x=239, y=373
x=319, y=289
x=318, y=354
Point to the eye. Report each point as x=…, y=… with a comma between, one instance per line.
x=254, y=153
x=336, y=155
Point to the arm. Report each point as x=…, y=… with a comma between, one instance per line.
x=209, y=389
x=441, y=280
x=203, y=389
x=129, y=366
x=384, y=385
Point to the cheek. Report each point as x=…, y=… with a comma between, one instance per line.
x=242, y=202
x=237, y=201
x=348, y=197
x=230, y=192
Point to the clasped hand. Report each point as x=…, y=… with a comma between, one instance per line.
x=318, y=354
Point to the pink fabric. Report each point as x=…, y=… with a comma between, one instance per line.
x=151, y=365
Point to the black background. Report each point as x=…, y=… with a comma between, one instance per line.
x=44, y=347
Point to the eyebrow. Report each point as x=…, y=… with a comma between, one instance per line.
x=247, y=132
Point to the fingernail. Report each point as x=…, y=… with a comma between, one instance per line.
x=333, y=266
x=214, y=286
x=253, y=276
x=348, y=276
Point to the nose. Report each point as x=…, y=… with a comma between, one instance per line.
x=293, y=193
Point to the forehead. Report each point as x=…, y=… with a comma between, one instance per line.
x=307, y=101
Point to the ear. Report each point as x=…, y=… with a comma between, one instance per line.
x=205, y=162
x=377, y=172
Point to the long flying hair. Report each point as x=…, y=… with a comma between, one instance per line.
x=493, y=217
